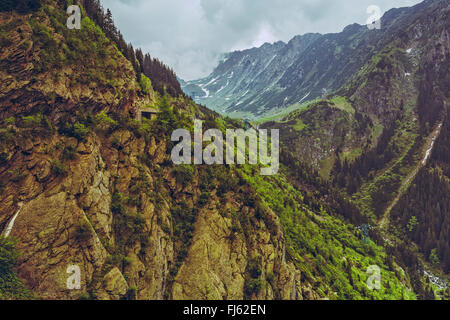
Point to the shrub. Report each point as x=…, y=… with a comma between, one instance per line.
x=10, y=285
x=10, y=121
x=8, y=255
x=270, y=277
x=39, y=123
x=83, y=231
x=116, y=259
x=251, y=200
x=184, y=174
x=254, y=268
x=86, y=118
x=32, y=121
x=57, y=168
x=116, y=203
x=140, y=184
x=5, y=39
x=184, y=218
x=253, y=286
x=132, y=293
x=204, y=198
x=69, y=152
x=104, y=121
x=145, y=83
x=80, y=131
x=434, y=258
x=65, y=125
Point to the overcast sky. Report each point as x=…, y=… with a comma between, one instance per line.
x=189, y=35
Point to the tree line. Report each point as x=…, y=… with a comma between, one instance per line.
x=319, y=194
x=351, y=175
x=162, y=77
x=424, y=211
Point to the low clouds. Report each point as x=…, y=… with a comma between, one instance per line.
x=190, y=35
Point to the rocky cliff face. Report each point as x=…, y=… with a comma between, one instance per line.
x=71, y=219
x=104, y=199
x=34, y=46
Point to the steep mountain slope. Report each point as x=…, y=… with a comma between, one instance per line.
x=82, y=188
x=403, y=87
x=83, y=183
x=423, y=210
x=245, y=75
x=373, y=139
x=263, y=81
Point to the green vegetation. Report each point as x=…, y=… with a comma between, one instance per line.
x=128, y=224
x=331, y=254
x=69, y=152
x=184, y=174
x=326, y=166
x=203, y=199
x=10, y=121
x=183, y=220
x=412, y=223
x=434, y=258
x=254, y=282
x=11, y=287
x=79, y=130
x=105, y=122
x=38, y=124
x=328, y=252
x=382, y=185
x=58, y=168
x=342, y=104
x=83, y=231
x=294, y=108
x=299, y=126
x=87, y=51
x=145, y=83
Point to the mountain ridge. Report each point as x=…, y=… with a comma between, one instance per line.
x=319, y=65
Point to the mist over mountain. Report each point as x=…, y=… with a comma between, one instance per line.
x=264, y=81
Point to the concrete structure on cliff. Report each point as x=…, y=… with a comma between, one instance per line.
x=148, y=113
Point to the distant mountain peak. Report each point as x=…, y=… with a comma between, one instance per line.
x=262, y=81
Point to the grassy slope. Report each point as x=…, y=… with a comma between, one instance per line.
x=329, y=252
